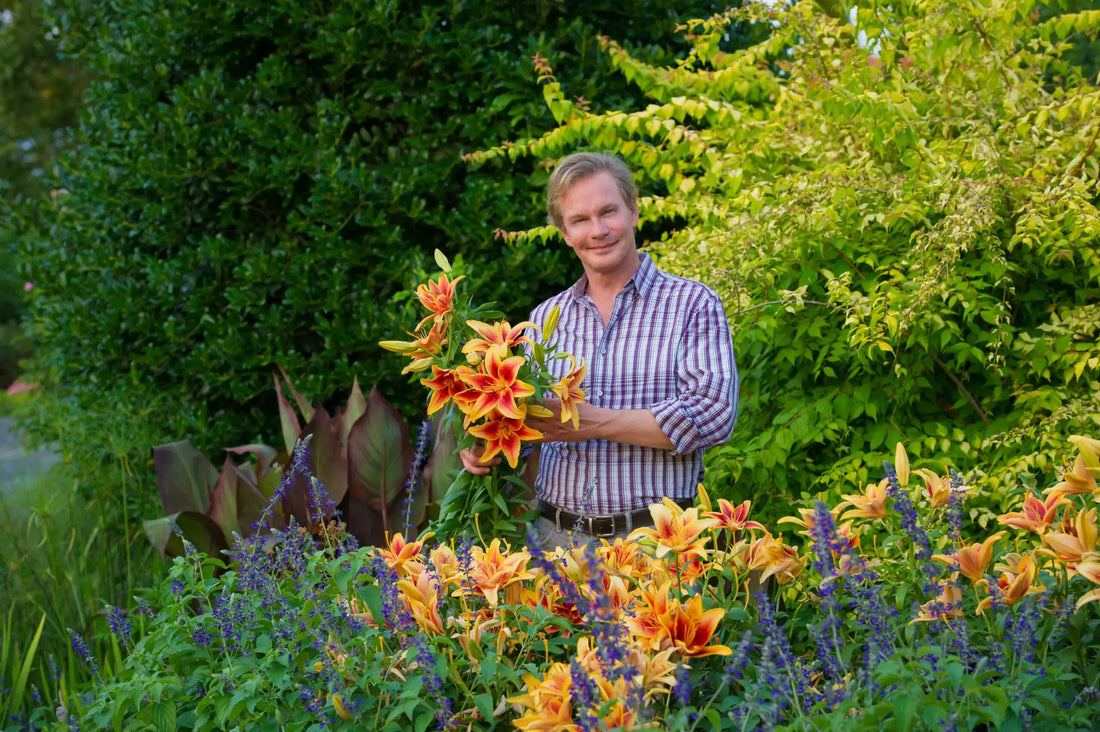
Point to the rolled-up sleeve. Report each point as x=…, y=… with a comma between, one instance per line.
x=704, y=409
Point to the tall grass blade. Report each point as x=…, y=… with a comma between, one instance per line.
x=25, y=671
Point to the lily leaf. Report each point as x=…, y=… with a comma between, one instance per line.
x=265, y=455
x=357, y=406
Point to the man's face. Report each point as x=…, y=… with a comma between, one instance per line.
x=599, y=225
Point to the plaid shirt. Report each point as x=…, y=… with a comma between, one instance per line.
x=666, y=348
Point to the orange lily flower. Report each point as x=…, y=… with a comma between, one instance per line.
x=691, y=629
x=675, y=530
x=805, y=519
x=447, y=567
x=773, y=557
x=1036, y=516
x=503, y=435
x=645, y=626
x=548, y=701
x=570, y=394
x=494, y=571
x=623, y=559
x=497, y=386
x=973, y=559
x=938, y=487
x=733, y=518
x=1016, y=580
x=437, y=297
x=660, y=623
x=948, y=605
x=1089, y=568
x=499, y=337
x=869, y=504
x=1071, y=546
x=657, y=671
x=445, y=384
x=421, y=598
x=1076, y=482
x=399, y=554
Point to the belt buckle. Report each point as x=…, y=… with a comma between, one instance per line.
x=593, y=534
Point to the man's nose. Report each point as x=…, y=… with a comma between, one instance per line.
x=601, y=227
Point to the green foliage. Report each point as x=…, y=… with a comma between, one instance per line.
x=901, y=219
x=39, y=96
x=257, y=181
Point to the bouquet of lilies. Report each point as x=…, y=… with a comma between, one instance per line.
x=487, y=377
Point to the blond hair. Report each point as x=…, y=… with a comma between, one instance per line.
x=579, y=166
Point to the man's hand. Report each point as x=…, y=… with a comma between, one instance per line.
x=471, y=459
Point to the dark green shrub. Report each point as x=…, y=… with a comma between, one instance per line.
x=258, y=180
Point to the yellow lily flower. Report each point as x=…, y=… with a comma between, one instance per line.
x=500, y=337
x=937, y=486
x=1036, y=516
x=1015, y=582
x=1089, y=568
x=675, y=530
x=422, y=599
x=399, y=554
x=1076, y=482
x=1071, y=546
x=570, y=394
x=869, y=504
x=973, y=558
x=773, y=557
x=494, y=571
x=948, y=605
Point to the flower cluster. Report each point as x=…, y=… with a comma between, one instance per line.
x=493, y=373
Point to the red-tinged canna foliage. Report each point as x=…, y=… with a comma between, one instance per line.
x=359, y=460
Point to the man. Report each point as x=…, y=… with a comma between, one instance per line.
x=661, y=380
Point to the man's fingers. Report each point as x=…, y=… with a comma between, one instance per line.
x=471, y=460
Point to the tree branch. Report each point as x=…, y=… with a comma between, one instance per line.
x=966, y=392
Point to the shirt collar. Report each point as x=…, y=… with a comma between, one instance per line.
x=643, y=279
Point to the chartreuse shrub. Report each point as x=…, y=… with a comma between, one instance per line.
x=898, y=205
x=879, y=615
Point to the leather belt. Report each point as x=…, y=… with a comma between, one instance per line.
x=602, y=525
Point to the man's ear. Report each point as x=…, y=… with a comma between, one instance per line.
x=634, y=214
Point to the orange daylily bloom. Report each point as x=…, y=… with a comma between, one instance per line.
x=437, y=297
x=445, y=385
x=623, y=559
x=869, y=504
x=1076, y=482
x=505, y=436
x=499, y=337
x=548, y=701
x=497, y=386
x=494, y=571
x=1036, y=516
x=938, y=487
x=570, y=394
x=948, y=605
x=773, y=557
x=447, y=567
x=805, y=519
x=660, y=623
x=1016, y=580
x=691, y=629
x=675, y=530
x=973, y=559
x=733, y=518
x=1071, y=546
x=1089, y=568
x=401, y=554
x=422, y=599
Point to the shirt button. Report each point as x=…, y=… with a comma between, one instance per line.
x=599, y=393
x=603, y=351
